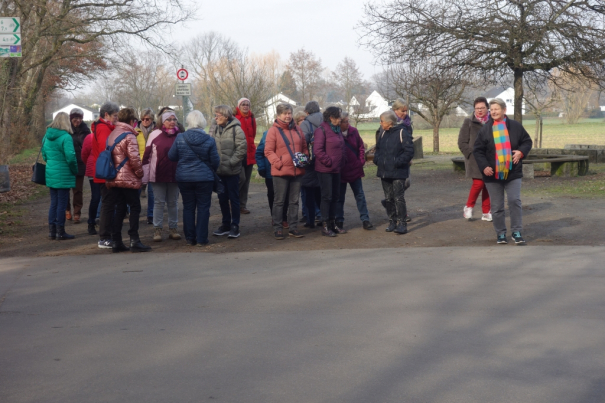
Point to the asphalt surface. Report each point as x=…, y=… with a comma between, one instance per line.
x=485, y=324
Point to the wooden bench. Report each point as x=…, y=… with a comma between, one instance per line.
x=560, y=165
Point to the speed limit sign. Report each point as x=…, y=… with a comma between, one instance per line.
x=182, y=74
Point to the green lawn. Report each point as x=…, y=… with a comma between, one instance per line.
x=555, y=134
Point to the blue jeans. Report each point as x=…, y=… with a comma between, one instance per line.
x=58, y=204
x=230, y=197
x=305, y=208
x=196, y=195
x=95, y=202
x=360, y=199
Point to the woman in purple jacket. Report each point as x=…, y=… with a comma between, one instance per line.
x=329, y=150
x=351, y=174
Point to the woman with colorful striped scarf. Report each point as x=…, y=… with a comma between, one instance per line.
x=500, y=147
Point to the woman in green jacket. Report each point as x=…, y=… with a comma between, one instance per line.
x=61, y=170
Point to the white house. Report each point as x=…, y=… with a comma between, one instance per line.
x=374, y=103
x=90, y=115
x=507, y=94
x=270, y=112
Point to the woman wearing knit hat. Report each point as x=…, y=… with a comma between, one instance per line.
x=80, y=131
x=248, y=124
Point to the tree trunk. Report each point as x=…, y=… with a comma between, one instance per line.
x=537, y=136
x=518, y=86
x=436, y=135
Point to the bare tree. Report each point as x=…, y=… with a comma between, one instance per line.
x=306, y=70
x=576, y=92
x=349, y=80
x=432, y=93
x=539, y=96
x=494, y=38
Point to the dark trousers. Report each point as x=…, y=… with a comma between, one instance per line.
x=196, y=196
x=108, y=208
x=311, y=201
x=244, y=183
x=58, y=203
x=305, y=207
x=330, y=192
x=286, y=185
x=95, y=200
x=150, y=200
x=229, y=199
x=394, y=190
x=271, y=197
x=78, y=192
x=121, y=197
x=360, y=199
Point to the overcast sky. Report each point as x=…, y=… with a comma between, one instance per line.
x=328, y=28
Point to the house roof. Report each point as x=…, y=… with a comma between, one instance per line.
x=71, y=106
x=494, y=92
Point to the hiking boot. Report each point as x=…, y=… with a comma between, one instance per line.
x=326, y=230
x=157, y=234
x=118, y=246
x=401, y=228
x=174, y=234
x=191, y=242
x=279, y=234
x=501, y=239
x=91, y=229
x=137, y=246
x=487, y=217
x=516, y=236
x=367, y=225
x=76, y=218
x=407, y=218
x=105, y=244
x=234, y=232
x=391, y=227
x=338, y=228
x=222, y=230
x=62, y=235
x=149, y=220
x=52, y=231
x=295, y=234
x=468, y=212
x=68, y=215
x=244, y=210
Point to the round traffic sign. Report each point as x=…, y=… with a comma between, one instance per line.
x=182, y=74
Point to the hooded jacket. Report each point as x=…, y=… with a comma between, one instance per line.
x=248, y=125
x=353, y=168
x=231, y=146
x=329, y=150
x=60, y=156
x=277, y=152
x=394, y=151
x=101, y=129
x=130, y=175
x=78, y=136
x=157, y=167
x=466, y=142
x=263, y=164
x=308, y=127
x=485, y=148
x=87, y=156
x=190, y=167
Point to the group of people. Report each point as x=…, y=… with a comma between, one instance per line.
x=310, y=155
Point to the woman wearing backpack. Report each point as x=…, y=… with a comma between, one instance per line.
x=330, y=157
x=160, y=171
x=285, y=139
x=394, y=151
x=197, y=160
x=61, y=170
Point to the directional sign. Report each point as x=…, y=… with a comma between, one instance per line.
x=10, y=39
x=10, y=25
x=10, y=51
x=182, y=74
x=183, y=90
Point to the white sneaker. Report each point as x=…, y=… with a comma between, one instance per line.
x=468, y=212
x=487, y=217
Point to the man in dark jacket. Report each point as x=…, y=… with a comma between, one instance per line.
x=502, y=167
x=394, y=151
x=80, y=131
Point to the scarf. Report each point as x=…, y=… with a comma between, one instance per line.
x=170, y=132
x=484, y=119
x=406, y=121
x=504, y=160
x=335, y=129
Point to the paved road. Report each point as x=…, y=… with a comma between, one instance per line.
x=498, y=324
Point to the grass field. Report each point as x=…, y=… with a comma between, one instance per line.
x=555, y=134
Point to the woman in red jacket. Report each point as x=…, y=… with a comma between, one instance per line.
x=282, y=135
x=248, y=124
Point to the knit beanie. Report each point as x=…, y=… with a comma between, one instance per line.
x=76, y=112
x=242, y=100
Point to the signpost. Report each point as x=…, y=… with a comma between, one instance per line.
x=183, y=90
x=10, y=37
